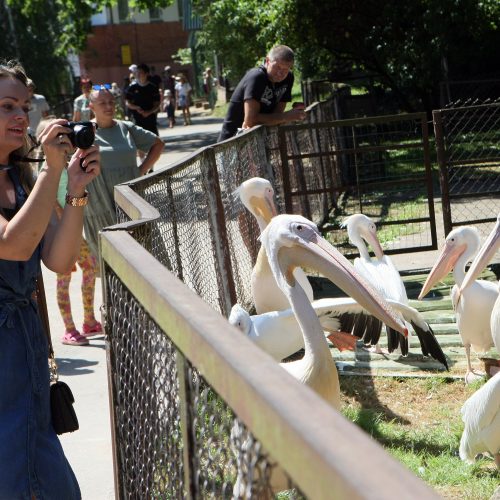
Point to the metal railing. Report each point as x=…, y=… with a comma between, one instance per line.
x=195, y=404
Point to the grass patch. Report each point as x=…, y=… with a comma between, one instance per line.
x=418, y=422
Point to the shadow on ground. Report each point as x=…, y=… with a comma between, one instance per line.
x=70, y=366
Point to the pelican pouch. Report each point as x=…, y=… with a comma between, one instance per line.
x=61, y=406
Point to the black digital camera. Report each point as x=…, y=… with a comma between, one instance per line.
x=82, y=135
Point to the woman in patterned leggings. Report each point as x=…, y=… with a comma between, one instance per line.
x=88, y=264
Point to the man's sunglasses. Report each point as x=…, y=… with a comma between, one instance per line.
x=102, y=86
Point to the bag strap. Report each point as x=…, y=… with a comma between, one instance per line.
x=44, y=316
x=42, y=310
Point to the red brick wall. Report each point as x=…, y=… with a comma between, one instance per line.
x=153, y=44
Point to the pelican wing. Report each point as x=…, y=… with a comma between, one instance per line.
x=384, y=276
x=354, y=319
x=428, y=342
x=481, y=416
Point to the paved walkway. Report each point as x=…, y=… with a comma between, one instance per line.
x=89, y=450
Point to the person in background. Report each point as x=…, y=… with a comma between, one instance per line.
x=32, y=461
x=119, y=142
x=143, y=98
x=210, y=88
x=158, y=81
x=87, y=263
x=39, y=108
x=117, y=93
x=183, y=97
x=155, y=78
x=169, y=107
x=81, y=109
x=168, y=80
x=132, y=72
x=169, y=84
x=261, y=96
x=126, y=85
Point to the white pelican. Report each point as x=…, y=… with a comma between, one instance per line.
x=489, y=248
x=473, y=311
x=291, y=241
x=278, y=333
x=384, y=277
x=257, y=195
x=481, y=416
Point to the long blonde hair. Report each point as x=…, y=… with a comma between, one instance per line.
x=14, y=70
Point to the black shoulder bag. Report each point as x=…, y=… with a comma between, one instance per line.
x=61, y=398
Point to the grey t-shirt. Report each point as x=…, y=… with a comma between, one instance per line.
x=82, y=104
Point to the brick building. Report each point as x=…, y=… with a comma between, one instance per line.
x=121, y=36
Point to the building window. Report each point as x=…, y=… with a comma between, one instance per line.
x=123, y=12
x=155, y=14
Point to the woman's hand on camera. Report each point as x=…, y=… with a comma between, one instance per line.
x=84, y=166
x=56, y=143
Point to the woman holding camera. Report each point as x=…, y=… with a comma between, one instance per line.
x=32, y=462
x=119, y=143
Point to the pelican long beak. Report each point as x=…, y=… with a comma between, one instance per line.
x=329, y=262
x=264, y=208
x=444, y=264
x=490, y=246
x=372, y=240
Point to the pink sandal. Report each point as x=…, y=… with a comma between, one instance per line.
x=73, y=337
x=91, y=331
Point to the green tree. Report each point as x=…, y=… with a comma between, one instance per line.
x=73, y=16
x=240, y=31
x=34, y=45
x=40, y=33
x=407, y=45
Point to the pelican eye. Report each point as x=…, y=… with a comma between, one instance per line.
x=300, y=227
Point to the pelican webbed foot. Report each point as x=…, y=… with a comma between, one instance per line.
x=472, y=376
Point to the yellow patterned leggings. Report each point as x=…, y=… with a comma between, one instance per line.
x=88, y=265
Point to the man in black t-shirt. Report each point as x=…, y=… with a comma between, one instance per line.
x=262, y=94
x=143, y=99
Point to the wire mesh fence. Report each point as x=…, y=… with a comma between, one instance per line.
x=379, y=166
x=152, y=381
x=467, y=141
x=454, y=94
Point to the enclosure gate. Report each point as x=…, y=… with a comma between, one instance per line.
x=379, y=166
x=468, y=153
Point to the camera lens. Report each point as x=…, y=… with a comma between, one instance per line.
x=83, y=134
